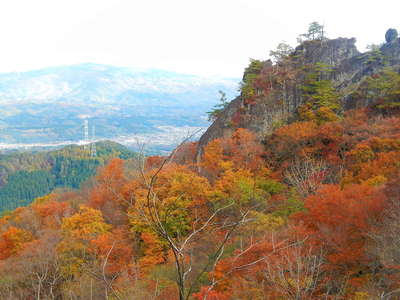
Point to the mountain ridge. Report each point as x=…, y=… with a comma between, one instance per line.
x=280, y=101
x=119, y=102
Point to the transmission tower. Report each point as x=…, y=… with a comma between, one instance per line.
x=93, y=152
x=86, y=134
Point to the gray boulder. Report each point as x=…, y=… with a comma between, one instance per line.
x=391, y=35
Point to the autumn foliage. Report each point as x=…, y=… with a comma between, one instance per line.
x=310, y=210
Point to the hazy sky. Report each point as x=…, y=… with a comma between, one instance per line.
x=207, y=37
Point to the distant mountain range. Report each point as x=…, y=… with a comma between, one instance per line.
x=48, y=106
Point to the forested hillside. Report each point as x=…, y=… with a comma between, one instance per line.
x=25, y=175
x=305, y=206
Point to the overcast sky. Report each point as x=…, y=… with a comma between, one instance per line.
x=206, y=37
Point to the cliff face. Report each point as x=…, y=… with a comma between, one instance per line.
x=278, y=103
x=329, y=52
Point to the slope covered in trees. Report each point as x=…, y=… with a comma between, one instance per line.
x=316, y=79
x=25, y=176
x=309, y=210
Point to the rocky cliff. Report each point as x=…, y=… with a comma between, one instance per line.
x=278, y=86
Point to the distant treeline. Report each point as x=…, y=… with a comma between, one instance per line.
x=26, y=176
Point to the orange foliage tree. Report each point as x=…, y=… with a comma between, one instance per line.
x=12, y=241
x=241, y=151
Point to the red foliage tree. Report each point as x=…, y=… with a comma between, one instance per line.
x=339, y=221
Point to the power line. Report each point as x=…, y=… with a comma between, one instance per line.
x=86, y=134
x=93, y=151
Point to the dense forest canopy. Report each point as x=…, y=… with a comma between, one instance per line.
x=25, y=176
x=307, y=208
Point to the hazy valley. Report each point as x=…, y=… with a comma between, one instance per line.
x=47, y=107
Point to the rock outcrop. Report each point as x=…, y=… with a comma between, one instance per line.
x=269, y=110
x=391, y=35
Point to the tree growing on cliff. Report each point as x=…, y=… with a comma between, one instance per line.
x=247, y=89
x=315, y=31
x=322, y=101
x=218, y=108
x=283, y=50
x=382, y=90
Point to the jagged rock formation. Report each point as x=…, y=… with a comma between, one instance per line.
x=284, y=79
x=330, y=52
